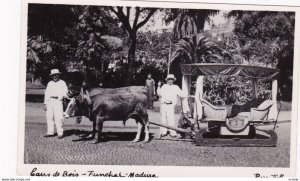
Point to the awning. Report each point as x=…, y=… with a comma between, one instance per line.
x=217, y=69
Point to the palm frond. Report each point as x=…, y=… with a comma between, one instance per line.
x=197, y=48
x=32, y=56
x=189, y=21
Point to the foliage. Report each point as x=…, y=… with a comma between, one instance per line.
x=55, y=42
x=263, y=25
x=94, y=29
x=141, y=17
x=196, y=49
x=151, y=57
x=50, y=21
x=90, y=47
x=43, y=55
x=270, y=39
x=188, y=21
x=154, y=44
x=230, y=49
x=227, y=90
x=48, y=42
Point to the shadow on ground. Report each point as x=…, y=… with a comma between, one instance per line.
x=84, y=135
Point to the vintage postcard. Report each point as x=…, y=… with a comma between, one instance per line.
x=158, y=89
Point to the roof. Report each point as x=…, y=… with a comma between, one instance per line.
x=216, y=69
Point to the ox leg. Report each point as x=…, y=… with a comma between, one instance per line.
x=98, y=128
x=146, y=140
x=139, y=130
x=92, y=134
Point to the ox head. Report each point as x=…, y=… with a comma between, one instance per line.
x=79, y=106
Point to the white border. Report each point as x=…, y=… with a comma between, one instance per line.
x=24, y=169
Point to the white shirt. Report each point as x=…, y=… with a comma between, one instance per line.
x=56, y=89
x=170, y=93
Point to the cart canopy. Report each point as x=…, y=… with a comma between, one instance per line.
x=216, y=69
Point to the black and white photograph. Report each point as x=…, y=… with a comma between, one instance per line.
x=148, y=89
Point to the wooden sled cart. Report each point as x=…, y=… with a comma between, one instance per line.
x=214, y=125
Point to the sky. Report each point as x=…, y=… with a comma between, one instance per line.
x=157, y=23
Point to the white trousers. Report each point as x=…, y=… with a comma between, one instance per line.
x=55, y=117
x=167, y=117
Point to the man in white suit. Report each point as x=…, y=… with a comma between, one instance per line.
x=53, y=103
x=169, y=94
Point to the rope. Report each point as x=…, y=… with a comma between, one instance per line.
x=280, y=103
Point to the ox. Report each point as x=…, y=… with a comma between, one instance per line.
x=96, y=91
x=113, y=107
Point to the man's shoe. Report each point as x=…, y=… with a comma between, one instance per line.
x=49, y=135
x=66, y=116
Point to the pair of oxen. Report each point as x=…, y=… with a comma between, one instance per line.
x=102, y=104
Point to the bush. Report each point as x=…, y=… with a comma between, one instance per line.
x=227, y=90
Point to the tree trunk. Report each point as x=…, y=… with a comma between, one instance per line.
x=194, y=53
x=131, y=58
x=32, y=79
x=200, y=26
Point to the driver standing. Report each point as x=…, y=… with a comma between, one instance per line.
x=169, y=94
x=53, y=103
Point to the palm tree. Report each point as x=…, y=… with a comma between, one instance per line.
x=188, y=21
x=196, y=49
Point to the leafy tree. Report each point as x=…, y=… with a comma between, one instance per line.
x=123, y=14
x=50, y=21
x=152, y=55
x=91, y=47
x=80, y=37
x=155, y=44
x=188, y=21
x=49, y=42
x=271, y=39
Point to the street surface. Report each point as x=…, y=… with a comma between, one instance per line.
x=116, y=148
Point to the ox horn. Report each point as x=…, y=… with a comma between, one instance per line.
x=81, y=91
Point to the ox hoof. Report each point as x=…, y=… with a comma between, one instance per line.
x=82, y=136
x=95, y=142
x=90, y=136
x=146, y=141
x=135, y=141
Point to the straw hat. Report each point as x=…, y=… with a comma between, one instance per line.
x=171, y=76
x=54, y=71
